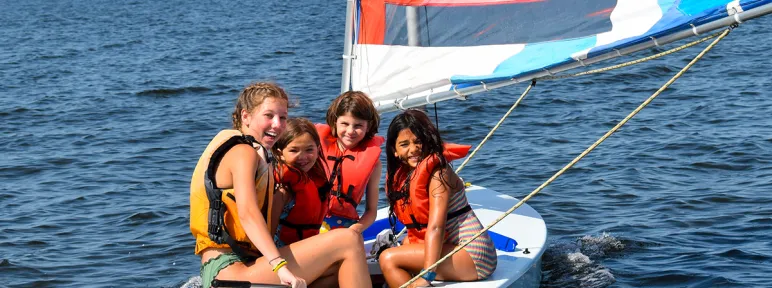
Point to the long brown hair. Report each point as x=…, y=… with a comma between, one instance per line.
x=431, y=143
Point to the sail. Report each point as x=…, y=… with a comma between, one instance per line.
x=413, y=52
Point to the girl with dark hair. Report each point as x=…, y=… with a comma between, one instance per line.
x=429, y=198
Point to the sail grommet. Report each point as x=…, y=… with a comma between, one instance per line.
x=429, y=101
x=734, y=9
x=398, y=103
x=655, y=41
x=485, y=86
x=460, y=96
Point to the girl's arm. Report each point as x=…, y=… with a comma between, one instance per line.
x=439, y=198
x=243, y=164
x=371, y=200
x=280, y=198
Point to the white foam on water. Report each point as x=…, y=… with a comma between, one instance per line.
x=576, y=263
x=193, y=282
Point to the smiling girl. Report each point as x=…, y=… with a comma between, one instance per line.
x=301, y=201
x=353, y=156
x=428, y=197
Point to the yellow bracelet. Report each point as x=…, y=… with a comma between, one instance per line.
x=282, y=263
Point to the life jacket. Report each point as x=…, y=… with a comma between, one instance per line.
x=214, y=219
x=412, y=206
x=311, y=196
x=350, y=171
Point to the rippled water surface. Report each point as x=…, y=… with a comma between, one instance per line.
x=106, y=105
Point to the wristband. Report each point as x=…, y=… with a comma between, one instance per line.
x=278, y=266
x=274, y=259
x=429, y=276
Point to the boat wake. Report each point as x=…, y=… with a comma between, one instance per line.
x=576, y=263
x=193, y=282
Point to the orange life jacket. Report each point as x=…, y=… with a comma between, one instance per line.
x=214, y=220
x=349, y=171
x=412, y=208
x=305, y=218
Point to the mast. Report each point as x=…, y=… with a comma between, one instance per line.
x=348, y=43
x=413, y=32
x=411, y=15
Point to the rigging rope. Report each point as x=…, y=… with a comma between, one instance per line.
x=630, y=63
x=573, y=162
x=594, y=71
x=522, y=96
x=533, y=83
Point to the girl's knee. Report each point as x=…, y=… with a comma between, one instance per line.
x=386, y=260
x=346, y=241
x=349, y=237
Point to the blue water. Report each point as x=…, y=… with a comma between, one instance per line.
x=106, y=105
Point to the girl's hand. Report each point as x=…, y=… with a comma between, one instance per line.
x=359, y=228
x=286, y=277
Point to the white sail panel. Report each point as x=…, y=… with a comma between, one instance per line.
x=396, y=71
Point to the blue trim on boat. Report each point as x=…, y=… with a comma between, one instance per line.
x=501, y=242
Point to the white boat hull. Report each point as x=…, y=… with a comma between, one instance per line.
x=516, y=268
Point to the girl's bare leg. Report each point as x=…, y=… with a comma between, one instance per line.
x=399, y=263
x=328, y=279
x=310, y=259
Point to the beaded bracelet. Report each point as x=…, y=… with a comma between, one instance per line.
x=278, y=266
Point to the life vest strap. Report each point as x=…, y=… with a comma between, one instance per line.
x=451, y=215
x=337, y=175
x=216, y=229
x=346, y=197
x=243, y=253
x=299, y=227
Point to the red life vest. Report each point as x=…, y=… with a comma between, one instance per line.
x=412, y=208
x=349, y=171
x=305, y=218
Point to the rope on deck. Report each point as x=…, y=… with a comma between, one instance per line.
x=573, y=162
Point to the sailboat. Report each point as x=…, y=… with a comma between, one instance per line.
x=410, y=53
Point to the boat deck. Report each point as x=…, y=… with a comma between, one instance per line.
x=515, y=267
